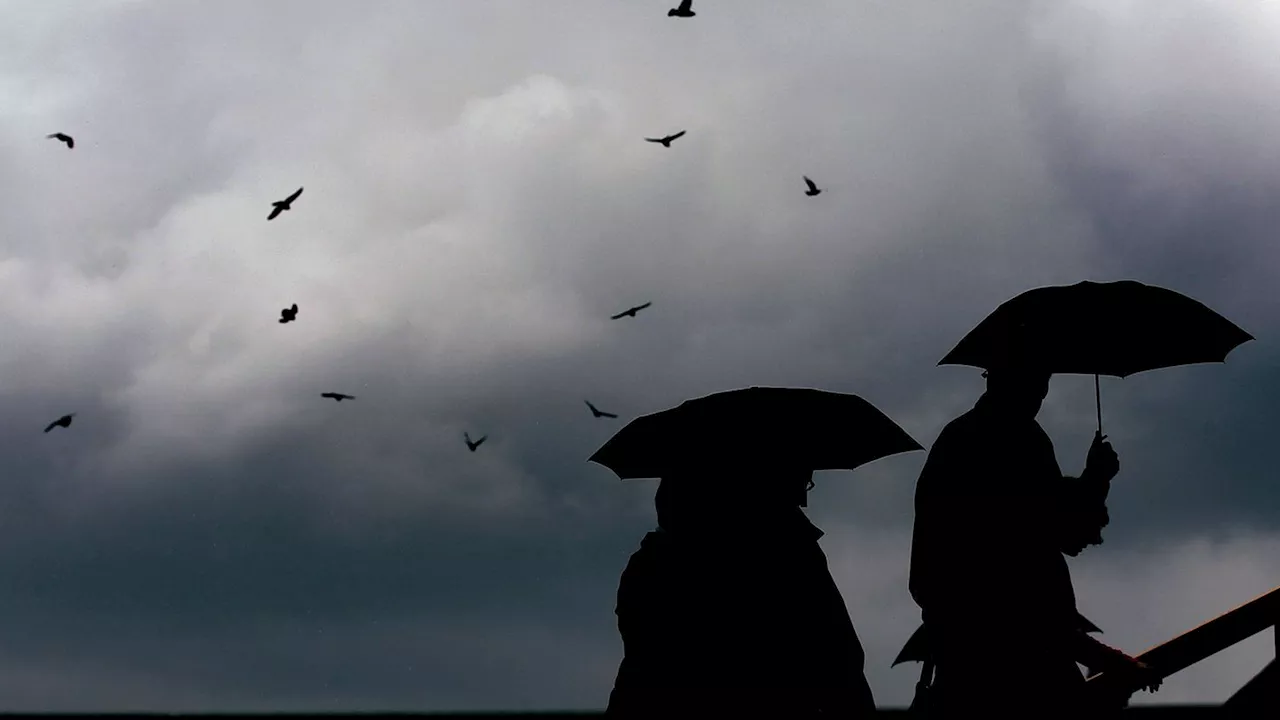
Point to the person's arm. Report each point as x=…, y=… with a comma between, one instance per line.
x=1095, y=654
x=1100, y=657
x=1082, y=513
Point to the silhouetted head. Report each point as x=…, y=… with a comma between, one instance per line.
x=1019, y=390
x=725, y=498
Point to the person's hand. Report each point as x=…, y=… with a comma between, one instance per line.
x=1138, y=675
x=1102, y=462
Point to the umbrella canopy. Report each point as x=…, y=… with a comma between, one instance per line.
x=1116, y=328
x=917, y=647
x=793, y=427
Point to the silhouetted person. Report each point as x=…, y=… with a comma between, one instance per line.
x=289, y=314
x=63, y=137
x=596, y=412
x=280, y=206
x=813, y=189
x=473, y=444
x=630, y=312
x=728, y=608
x=336, y=396
x=64, y=421
x=685, y=10
x=666, y=141
x=994, y=516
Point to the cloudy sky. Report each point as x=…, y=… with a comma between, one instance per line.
x=210, y=534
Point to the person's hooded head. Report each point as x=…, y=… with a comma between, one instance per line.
x=731, y=496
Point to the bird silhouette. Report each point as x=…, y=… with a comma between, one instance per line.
x=70, y=141
x=337, y=396
x=596, y=412
x=631, y=312
x=64, y=421
x=472, y=445
x=813, y=189
x=280, y=206
x=685, y=10
x=289, y=314
x=666, y=141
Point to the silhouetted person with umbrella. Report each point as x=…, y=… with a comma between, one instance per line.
x=728, y=609
x=994, y=515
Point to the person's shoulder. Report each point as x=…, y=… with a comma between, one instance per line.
x=962, y=427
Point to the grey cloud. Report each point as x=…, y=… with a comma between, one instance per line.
x=211, y=534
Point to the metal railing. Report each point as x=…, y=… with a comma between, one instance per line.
x=1214, y=636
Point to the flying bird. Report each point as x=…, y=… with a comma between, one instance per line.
x=64, y=421
x=596, y=412
x=666, y=141
x=472, y=445
x=813, y=189
x=685, y=10
x=289, y=314
x=70, y=141
x=337, y=396
x=631, y=312
x=280, y=206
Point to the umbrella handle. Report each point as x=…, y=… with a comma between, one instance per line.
x=1097, y=398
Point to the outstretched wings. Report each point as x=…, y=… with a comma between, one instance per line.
x=630, y=311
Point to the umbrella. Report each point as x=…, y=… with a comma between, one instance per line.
x=917, y=647
x=1116, y=328
x=815, y=429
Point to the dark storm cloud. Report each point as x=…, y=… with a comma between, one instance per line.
x=211, y=534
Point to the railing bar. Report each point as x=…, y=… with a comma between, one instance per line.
x=1214, y=636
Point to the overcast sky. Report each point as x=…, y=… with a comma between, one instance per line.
x=210, y=534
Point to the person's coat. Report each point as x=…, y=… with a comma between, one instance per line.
x=744, y=620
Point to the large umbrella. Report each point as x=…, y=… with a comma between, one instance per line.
x=1116, y=328
x=799, y=427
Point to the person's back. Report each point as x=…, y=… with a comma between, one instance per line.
x=734, y=612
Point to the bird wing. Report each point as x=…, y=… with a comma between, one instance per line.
x=638, y=308
x=294, y=196
x=52, y=425
x=686, y=5
x=619, y=316
x=71, y=142
x=654, y=140
x=593, y=407
x=294, y=308
x=809, y=182
x=677, y=135
x=482, y=439
x=335, y=396
x=275, y=210
x=608, y=415
x=349, y=397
